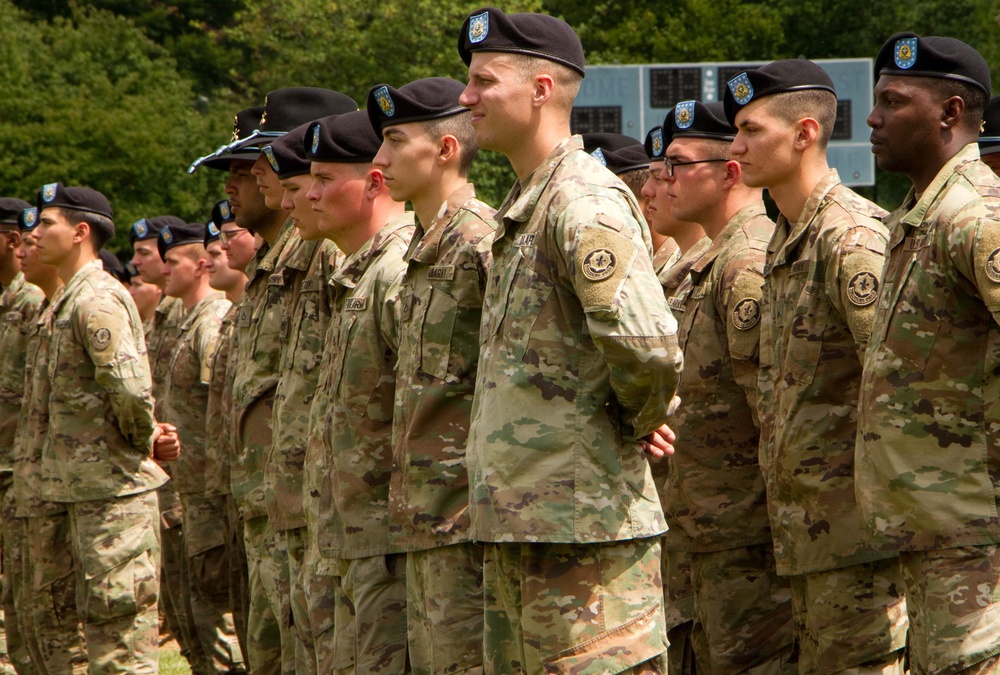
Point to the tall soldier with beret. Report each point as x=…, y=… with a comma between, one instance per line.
x=626, y=157
x=350, y=446
x=161, y=336
x=714, y=498
x=578, y=365
x=821, y=281
x=19, y=303
x=314, y=259
x=270, y=507
x=246, y=206
x=928, y=471
x=45, y=596
x=989, y=137
x=183, y=252
x=675, y=277
x=428, y=145
x=101, y=434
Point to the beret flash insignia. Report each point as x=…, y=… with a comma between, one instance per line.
x=479, y=27
x=140, y=228
x=599, y=156
x=269, y=153
x=224, y=209
x=30, y=217
x=315, y=140
x=657, y=142
x=49, y=192
x=599, y=264
x=166, y=234
x=213, y=230
x=741, y=88
x=862, y=290
x=905, y=52
x=385, y=102
x=746, y=314
x=684, y=114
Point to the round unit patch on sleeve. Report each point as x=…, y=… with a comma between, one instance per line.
x=599, y=264
x=101, y=339
x=746, y=313
x=993, y=266
x=863, y=289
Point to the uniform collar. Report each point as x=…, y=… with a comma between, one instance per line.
x=77, y=280
x=425, y=244
x=354, y=267
x=921, y=205
x=520, y=203
x=682, y=268
x=191, y=315
x=734, y=225
x=787, y=234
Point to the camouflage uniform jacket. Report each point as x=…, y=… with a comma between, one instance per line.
x=18, y=311
x=186, y=406
x=161, y=337
x=100, y=407
x=714, y=499
x=219, y=444
x=579, y=359
x=261, y=323
x=664, y=259
x=442, y=303
x=301, y=353
x=820, y=285
x=929, y=444
x=33, y=423
x=360, y=381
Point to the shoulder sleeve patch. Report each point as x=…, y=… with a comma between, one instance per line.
x=987, y=261
x=860, y=285
x=744, y=314
x=603, y=261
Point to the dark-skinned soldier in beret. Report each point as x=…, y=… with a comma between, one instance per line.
x=927, y=471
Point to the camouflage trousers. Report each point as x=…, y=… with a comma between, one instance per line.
x=574, y=608
x=13, y=535
x=305, y=645
x=953, y=601
x=444, y=609
x=175, y=595
x=743, y=613
x=269, y=648
x=239, y=573
x=116, y=546
x=850, y=618
x=50, y=616
x=373, y=608
x=678, y=611
x=206, y=570
x=334, y=649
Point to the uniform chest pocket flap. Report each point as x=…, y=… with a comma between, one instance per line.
x=915, y=320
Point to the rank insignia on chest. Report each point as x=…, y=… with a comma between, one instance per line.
x=993, y=266
x=356, y=304
x=524, y=240
x=599, y=264
x=243, y=319
x=863, y=289
x=406, y=308
x=441, y=272
x=746, y=314
x=276, y=279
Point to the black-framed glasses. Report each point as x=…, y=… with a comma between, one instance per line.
x=668, y=166
x=226, y=236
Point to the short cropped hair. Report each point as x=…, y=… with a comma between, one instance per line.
x=819, y=104
x=459, y=126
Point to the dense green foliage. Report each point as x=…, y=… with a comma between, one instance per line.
x=121, y=95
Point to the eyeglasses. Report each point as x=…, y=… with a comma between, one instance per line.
x=668, y=166
x=226, y=236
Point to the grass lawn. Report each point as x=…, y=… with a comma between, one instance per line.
x=172, y=663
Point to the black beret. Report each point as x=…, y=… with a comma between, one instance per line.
x=694, y=119
x=112, y=265
x=776, y=77
x=287, y=154
x=347, y=139
x=940, y=57
x=285, y=109
x=989, y=139
x=130, y=270
x=149, y=228
x=618, y=152
x=655, y=145
x=180, y=234
x=28, y=219
x=245, y=124
x=428, y=99
x=538, y=35
x=11, y=209
x=76, y=198
x=221, y=214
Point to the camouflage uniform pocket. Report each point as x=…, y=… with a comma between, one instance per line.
x=436, y=335
x=805, y=339
x=916, y=319
x=121, y=575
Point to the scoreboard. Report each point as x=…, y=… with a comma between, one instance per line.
x=633, y=99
